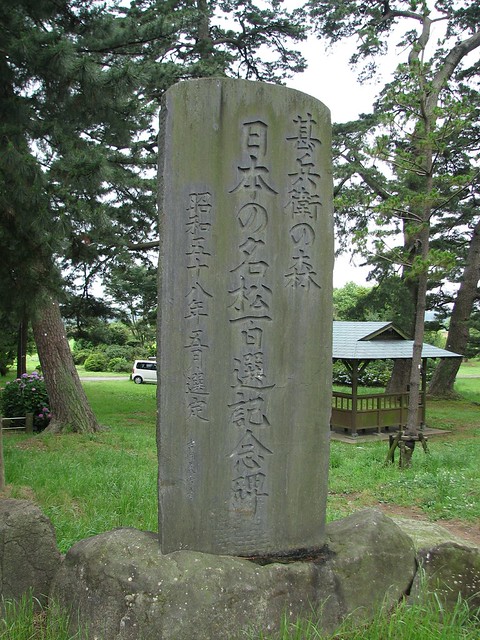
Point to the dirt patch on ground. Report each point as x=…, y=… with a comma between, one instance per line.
x=469, y=531
x=21, y=493
x=32, y=443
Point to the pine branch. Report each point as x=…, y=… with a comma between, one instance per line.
x=143, y=246
x=452, y=60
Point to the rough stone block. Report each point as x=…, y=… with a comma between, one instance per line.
x=426, y=535
x=373, y=561
x=449, y=570
x=29, y=557
x=123, y=588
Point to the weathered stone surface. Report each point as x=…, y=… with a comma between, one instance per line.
x=450, y=566
x=426, y=535
x=449, y=569
x=29, y=557
x=245, y=318
x=373, y=561
x=125, y=589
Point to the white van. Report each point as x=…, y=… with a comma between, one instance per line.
x=144, y=371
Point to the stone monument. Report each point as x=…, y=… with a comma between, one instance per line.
x=245, y=320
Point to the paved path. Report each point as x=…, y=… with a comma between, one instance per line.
x=102, y=378
x=466, y=375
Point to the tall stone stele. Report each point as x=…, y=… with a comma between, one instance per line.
x=245, y=323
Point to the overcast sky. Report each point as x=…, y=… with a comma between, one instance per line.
x=330, y=79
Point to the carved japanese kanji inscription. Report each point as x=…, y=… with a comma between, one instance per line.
x=245, y=318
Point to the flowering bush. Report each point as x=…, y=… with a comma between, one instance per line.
x=27, y=395
x=377, y=374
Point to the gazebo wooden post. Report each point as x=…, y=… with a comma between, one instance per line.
x=354, y=396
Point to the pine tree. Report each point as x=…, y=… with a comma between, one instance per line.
x=398, y=149
x=79, y=86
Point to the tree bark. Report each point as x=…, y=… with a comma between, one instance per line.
x=400, y=378
x=22, y=340
x=443, y=379
x=416, y=370
x=68, y=402
x=444, y=375
x=2, y=463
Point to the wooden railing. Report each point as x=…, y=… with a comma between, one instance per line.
x=372, y=411
x=21, y=423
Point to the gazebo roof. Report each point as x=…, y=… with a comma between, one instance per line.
x=377, y=341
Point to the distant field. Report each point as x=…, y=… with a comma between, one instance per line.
x=470, y=368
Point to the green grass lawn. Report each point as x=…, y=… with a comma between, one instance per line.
x=444, y=484
x=88, y=484
x=92, y=483
x=470, y=368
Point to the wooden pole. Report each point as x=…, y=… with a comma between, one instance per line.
x=29, y=422
x=2, y=465
x=22, y=341
x=354, y=396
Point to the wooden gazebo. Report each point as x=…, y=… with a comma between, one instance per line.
x=356, y=344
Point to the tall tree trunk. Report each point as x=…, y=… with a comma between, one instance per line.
x=400, y=378
x=22, y=341
x=445, y=373
x=68, y=402
x=2, y=463
x=412, y=433
x=416, y=364
x=204, y=39
x=443, y=379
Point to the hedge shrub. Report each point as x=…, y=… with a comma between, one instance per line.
x=119, y=351
x=79, y=357
x=120, y=365
x=96, y=362
x=376, y=374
